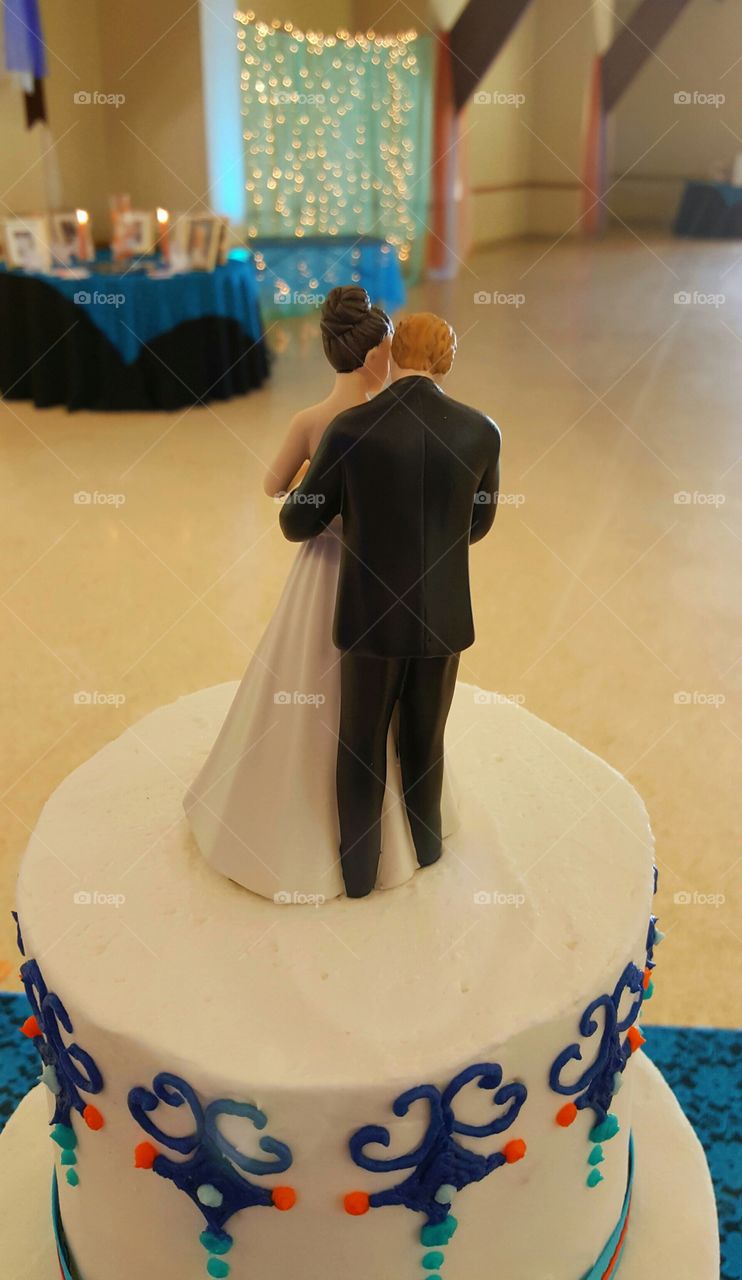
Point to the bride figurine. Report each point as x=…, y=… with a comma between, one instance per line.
x=263, y=808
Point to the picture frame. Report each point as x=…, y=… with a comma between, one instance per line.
x=28, y=243
x=140, y=232
x=67, y=234
x=202, y=239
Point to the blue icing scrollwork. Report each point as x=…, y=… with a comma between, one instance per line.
x=439, y=1164
x=68, y=1066
x=213, y=1173
x=596, y=1085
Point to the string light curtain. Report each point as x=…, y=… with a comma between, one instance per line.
x=337, y=134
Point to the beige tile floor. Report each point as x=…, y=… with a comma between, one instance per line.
x=599, y=597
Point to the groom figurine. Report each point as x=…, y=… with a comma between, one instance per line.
x=414, y=476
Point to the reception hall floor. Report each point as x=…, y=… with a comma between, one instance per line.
x=141, y=559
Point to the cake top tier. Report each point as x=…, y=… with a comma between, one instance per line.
x=549, y=874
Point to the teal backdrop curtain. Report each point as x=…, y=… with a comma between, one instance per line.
x=338, y=133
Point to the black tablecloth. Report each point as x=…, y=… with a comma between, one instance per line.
x=51, y=353
x=710, y=211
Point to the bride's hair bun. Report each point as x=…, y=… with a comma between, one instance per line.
x=351, y=327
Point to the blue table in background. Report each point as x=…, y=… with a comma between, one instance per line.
x=295, y=275
x=128, y=340
x=710, y=211
x=702, y=1067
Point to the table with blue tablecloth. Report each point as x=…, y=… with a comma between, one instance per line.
x=710, y=211
x=130, y=339
x=295, y=274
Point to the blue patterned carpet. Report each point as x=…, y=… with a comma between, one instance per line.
x=703, y=1067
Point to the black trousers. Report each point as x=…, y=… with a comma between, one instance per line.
x=370, y=690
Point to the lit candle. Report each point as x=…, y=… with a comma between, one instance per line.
x=83, y=218
x=163, y=219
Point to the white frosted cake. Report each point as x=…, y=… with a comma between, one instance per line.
x=437, y=1079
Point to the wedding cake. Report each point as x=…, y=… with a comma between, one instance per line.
x=436, y=1080
x=313, y=996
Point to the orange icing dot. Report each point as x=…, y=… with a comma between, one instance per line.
x=92, y=1117
x=356, y=1203
x=145, y=1155
x=283, y=1197
x=567, y=1115
x=514, y=1150
x=31, y=1028
x=647, y=978
x=635, y=1039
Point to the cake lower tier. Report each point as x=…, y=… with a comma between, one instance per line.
x=437, y=1076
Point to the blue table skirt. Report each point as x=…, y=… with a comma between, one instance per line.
x=295, y=275
x=710, y=211
x=702, y=1066
x=133, y=308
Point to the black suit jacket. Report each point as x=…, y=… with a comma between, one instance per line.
x=414, y=476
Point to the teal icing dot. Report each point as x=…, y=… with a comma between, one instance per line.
x=659, y=937
x=431, y=1261
x=72, y=1177
x=649, y=991
x=209, y=1195
x=617, y=1083
x=438, y=1232
x=214, y=1243
x=605, y=1131
x=68, y=1157
x=217, y=1268
x=64, y=1137
x=445, y=1194
x=596, y=1155
x=594, y=1178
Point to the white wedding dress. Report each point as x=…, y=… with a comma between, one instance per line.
x=263, y=808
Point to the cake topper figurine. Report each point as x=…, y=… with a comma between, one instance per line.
x=414, y=477
x=328, y=775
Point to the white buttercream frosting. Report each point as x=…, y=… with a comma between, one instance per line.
x=323, y=1014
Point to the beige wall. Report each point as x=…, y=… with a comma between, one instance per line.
x=151, y=54
x=80, y=154
x=522, y=161
x=81, y=151
x=699, y=54
x=21, y=178
x=151, y=145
